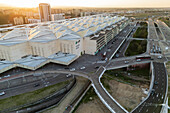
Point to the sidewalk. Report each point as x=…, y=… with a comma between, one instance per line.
x=65, y=102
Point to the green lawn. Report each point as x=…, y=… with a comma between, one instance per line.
x=140, y=73
x=122, y=76
x=138, y=46
x=30, y=97
x=141, y=32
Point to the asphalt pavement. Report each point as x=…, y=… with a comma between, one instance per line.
x=30, y=86
x=91, y=64
x=153, y=103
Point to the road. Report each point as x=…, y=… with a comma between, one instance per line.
x=165, y=29
x=115, y=64
x=160, y=36
x=91, y=64
x=125, y=45
x=112, y=105
x=28, y=87
x=153, y=103
x=153, y=36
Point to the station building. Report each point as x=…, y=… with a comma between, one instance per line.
x=69, y=39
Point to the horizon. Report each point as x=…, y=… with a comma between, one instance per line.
x=88, y=4
x=9, y=6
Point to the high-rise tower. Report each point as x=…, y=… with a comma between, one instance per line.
x=45, y=12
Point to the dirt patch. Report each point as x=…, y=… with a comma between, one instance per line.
x=128, y=96
x=94, y=106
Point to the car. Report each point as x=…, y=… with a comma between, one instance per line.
x=154, y=51
x=138, y=60
x=156, y=83
x=126, y=62
x=66, y=68
x=73, y=69
x=146, y=89
x=103, y=59
x=159, y=57
x=7, y=76
x=110, y=47
x=117, y=55
x=152, y=91
x=83, y=67
x=96, y=67
x=36, y=85
x=69, y=75
x=2, y=93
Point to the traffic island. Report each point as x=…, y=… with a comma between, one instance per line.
x=128, y=86
x=137, y=47
x=91, y=103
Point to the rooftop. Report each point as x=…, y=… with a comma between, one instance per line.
x=33, y=62
x=72, y=29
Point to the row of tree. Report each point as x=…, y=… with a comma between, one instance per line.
x=8, y=18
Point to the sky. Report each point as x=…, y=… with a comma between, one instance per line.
x=89, y=3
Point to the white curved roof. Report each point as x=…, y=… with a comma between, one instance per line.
x=77, y=28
